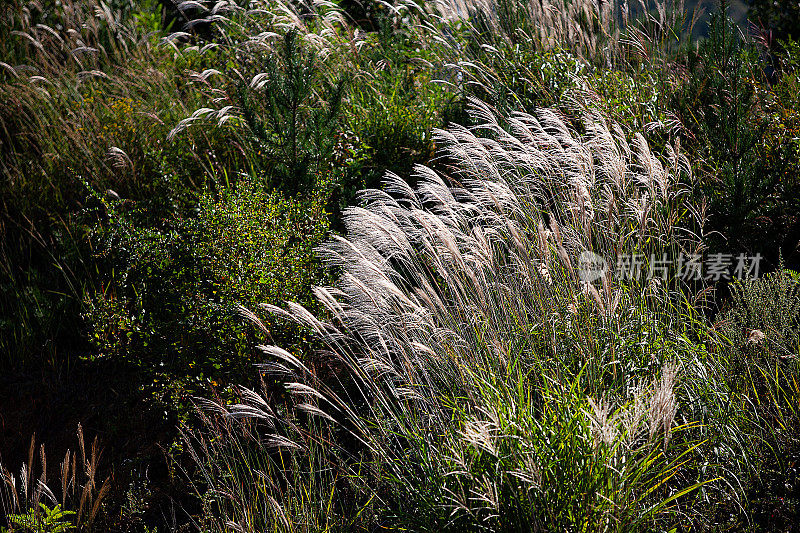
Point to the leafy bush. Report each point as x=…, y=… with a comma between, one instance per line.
x=393, y=136
x=171, y=305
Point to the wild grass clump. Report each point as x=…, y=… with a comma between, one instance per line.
x=30, y=505
x=509, y=343
x=481, y=380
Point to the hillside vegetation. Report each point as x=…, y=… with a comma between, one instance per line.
x=453, y=265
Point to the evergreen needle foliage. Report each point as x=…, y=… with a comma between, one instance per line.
x=294, y=112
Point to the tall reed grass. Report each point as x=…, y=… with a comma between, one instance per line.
x=27, y=498
x=88, y=101
x=481, y=382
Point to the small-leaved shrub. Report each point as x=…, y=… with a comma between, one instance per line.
x=171, y=306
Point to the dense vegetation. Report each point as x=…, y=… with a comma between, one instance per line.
x=288, y=266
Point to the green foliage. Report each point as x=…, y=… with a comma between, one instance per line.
x=635, y=98
x=764, y=318
x=293, y=114
x=745, y=393
x=723, y=106
x=525, y=420
x=780, y=19
x=171, y=306
x=108, y=130
x=744, y=132
x=529, y=78
x=42, y=520
x=389, y=117
x=394, y=135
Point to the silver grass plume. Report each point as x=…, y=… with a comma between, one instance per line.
x=459, y=301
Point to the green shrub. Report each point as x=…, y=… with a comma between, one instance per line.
x=636, y=99
x=394, y=135
x=392, y=114
x=171, y=306
x=293, y=111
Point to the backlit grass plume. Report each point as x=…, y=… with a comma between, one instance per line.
x=480, y=380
